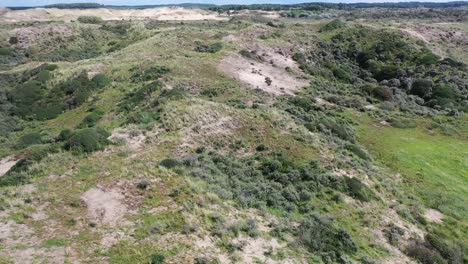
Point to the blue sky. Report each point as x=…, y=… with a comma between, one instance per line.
x=152, y=2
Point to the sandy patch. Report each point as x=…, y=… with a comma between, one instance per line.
x=434, y=216
x=6, y=164
x=255, y=74
x=105, y=206
x=163, y=13
x=96, y=69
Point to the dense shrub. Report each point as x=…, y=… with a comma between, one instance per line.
x=358, y=151
x=151, y=74
x=169, y=163
x=29, y=139
x=101, y=81
x=87, y=140
x=6, y=52
x=24, y=98
x=335, y=24
x=90, y=19
x=383, y=93
x=420, y=251
x=156, y=259
x=320, y=236
x=422, y=88
x=65, y=134
x=91, y=119
x=211, y=48
x=356, y=189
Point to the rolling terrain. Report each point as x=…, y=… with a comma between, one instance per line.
x=184, y=135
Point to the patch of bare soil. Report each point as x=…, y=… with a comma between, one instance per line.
x=53, y=14
x=105, y=206
x=262, y=75
x=6, y=164
x=21, y=245
x=433, y=216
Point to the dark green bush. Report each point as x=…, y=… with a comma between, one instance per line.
x=157, y=259
x=101, y=81
x=151, y=74
x=212, y=48
x=87, y=140
x=65, y=135
x=320, y=236
x=29, y=139
x=356, y=189
x=169, y=163
x=335, y=24
x=91, y=119
x=358, y=151
x=90, y=19
x=422, y=88
x=44, y=76
x=6, y=52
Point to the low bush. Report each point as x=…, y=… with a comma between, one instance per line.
x=157, y=259
x=335, y=24
x=87, y=140
x=65, y=135
x=403, y=123
x=358, y=151
x=211, y=48
x=90, y=19
x=169, y=163
x=91, y=119
x=101, y=81
x=6, y=52
x=29, y=139
x=319, y=235
x=356, y=189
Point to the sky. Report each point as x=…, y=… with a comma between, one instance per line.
x=156, y=2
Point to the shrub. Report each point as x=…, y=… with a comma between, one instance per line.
x=90, y=19
x=156, y=259
x=356, y=189
x=169, y=163
x=29, y=139
x=335, y=24
x=91, y=119
x=421, y=252
x=251, y=55
x=65, y=134
x=212, y=48
x=6, y=52
x=383, y=93
x=87, y=140
x=44, y=76
x=319, y=235
x=403, y=123
x=422, y=88
x=358, y=151
x=101, y=81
